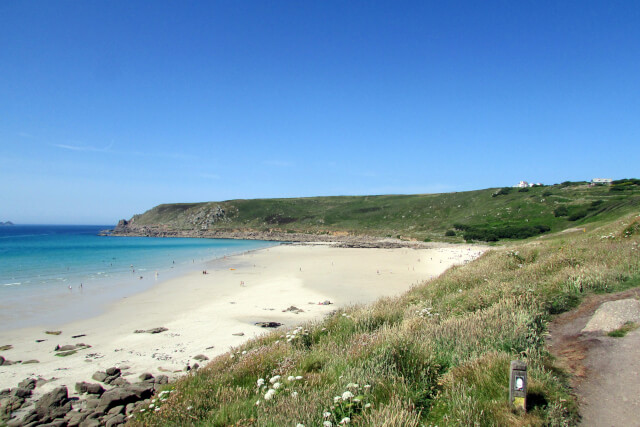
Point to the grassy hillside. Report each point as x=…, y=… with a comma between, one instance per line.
x=480, y=215
x=438, y=355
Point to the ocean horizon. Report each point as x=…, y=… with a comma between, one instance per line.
x=53, y=274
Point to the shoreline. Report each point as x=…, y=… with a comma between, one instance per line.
x=205, y=313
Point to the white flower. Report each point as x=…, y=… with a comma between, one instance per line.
x=269, y=394
x=299, y=425
x=299, y=377
x=291, y=378
x=347, y=395
x=345, y=420
x=157, y=409
x=327, y=424
x=277, y=341
x=356, y=399
x=260, y=381
x=276, y=386
x=367, y=386
x=294, y=394
x=189, y=408
x=257, y=402
x=151, y=406
x=352, y=385
x=244, y=352
x=337, y=399
x=367, y=406
x=326, y=414
x=274, y=379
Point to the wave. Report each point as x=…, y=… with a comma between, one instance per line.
x=12, y=284
x=23, y=235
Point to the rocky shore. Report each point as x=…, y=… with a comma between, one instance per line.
x=339, y=239
x=108, y=404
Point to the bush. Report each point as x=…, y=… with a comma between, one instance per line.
x=487, y=234
x=577, y=215
x=560, y=211
x=450, y=233
x=547, y=194
x=523, y=190
x=502, y=192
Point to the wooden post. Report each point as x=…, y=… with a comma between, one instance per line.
x=518, y=384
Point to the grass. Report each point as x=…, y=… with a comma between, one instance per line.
x=623, y=330
x=437, y=355
x=493, y=212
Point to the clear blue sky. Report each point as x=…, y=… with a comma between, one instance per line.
x=108, y=108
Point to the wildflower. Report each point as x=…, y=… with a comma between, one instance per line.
x=151, y=406
x=294, y=394
x=291, y=378
x=157, y=409
x=244, y=352
x=327, y=424
x=299, y=425
x=142, y=410
x=257, y=403
x=367, y=406
x=276, y=386
x=367, y=386
x=352, y=385
x=337, y=399
x=260, y=381
x=269, y=394
x=299, y=377
x=326, y=414
x=277, y=341
x=189, y=408
x=347, y=395
x=274, y=379
x=345, y=420
x=344, y=314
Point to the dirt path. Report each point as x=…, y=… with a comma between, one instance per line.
x=606, y=370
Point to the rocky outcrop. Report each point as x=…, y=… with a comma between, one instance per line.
x=99, y=408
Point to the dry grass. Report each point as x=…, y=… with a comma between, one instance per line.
x=437, y=355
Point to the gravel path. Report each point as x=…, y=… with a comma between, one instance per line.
x=606, y=370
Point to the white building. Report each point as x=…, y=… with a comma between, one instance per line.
x=522, y=184
x=607, y=181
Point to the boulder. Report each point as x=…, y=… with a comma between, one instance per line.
x=90, y=422
x=28, y=383
x=151, y=331
x=10, y=404
x=116, y=410
x=146, y=376
x=162, y=379
x=99, y=376
x=269, y=324
x=54, y=404
x=21, y=392
x=90, y=388
x=201, y=357
x=115, y=420
x=2, y=359
x=55, y=423
x=74, y=418
x=30, y=361
x=119, y=381
x=113, y=371
x=67, y=347
x=125, y=395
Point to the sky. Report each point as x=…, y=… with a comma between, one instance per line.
x=110, y=108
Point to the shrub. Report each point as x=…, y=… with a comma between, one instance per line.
x=547, y=194
x=560, y=211
x=523, y=190
x=577, y=215
x=450, y=233
x=502, y=192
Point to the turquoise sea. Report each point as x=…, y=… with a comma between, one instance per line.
x=51, y=274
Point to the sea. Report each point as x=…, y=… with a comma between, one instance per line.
x=53, y=274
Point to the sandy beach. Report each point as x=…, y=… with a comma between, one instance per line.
x=209, y=313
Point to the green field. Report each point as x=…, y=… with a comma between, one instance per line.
x=485, y=215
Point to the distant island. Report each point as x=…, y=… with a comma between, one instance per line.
x=6, y=223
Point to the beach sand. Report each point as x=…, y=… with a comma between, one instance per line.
x=203, y=312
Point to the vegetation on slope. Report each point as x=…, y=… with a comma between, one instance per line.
x=487, y=215
x=438, y=355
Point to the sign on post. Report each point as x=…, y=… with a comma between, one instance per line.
x=518, y=384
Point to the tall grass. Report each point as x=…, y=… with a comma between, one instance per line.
x=438, y=355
